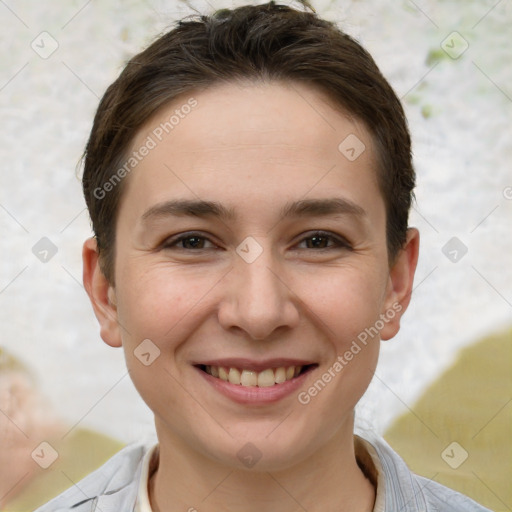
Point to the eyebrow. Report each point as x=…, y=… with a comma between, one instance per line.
x=321, y=207
x=188, y=207
x=301, y=208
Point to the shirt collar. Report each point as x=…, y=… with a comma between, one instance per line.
x=149, y=466
x=370, y=465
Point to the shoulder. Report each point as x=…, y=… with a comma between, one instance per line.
x=443, y=499
x=408, y=492
x=117, y=480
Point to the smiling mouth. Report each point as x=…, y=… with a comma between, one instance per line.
x=250, y=378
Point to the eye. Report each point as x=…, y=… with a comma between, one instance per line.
x=188, y=241
x=323, y=240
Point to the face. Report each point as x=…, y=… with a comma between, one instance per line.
x=251, y=248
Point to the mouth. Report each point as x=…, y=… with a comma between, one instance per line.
x=251, y=377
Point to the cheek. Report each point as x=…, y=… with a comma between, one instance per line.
x=157, y=309
x=157, y=301
x=348, y=307
x=345, y=300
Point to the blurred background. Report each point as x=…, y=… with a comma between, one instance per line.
x=449, y=61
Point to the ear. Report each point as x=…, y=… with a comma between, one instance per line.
x=101, y=294
x=401, y=279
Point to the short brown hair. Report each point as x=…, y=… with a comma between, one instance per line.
x=268, y=42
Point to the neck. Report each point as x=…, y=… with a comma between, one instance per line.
x=329, y=481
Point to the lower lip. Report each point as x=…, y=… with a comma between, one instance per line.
x=255, y=395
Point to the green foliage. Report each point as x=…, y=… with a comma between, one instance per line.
x=436, y=55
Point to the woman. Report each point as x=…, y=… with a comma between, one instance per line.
x=249, y=179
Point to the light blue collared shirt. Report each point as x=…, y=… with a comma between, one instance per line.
x=120, y=485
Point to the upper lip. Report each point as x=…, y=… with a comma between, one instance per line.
x=254, y=365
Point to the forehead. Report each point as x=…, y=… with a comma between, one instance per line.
x=291, y=111
x=253, y=135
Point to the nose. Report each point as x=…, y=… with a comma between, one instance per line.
x=257, y=299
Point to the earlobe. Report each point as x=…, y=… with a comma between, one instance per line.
x=101, y=294
x=400, y=284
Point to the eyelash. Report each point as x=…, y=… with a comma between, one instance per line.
x=339, y=242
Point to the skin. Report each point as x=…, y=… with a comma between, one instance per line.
x=253, y=148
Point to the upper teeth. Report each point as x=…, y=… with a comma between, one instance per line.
x=266, y=378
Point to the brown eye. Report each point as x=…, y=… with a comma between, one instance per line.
x=322, y=240
x=317, y=242
x=190, y=241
